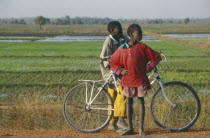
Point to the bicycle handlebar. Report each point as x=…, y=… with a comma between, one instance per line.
x=161, y=53
x=165, y=59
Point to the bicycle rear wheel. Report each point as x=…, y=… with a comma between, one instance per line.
x=84, y=118
x=183, y=115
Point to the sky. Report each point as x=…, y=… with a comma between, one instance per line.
x=115, y=9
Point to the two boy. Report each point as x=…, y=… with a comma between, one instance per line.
x=129, y=59
x=133, y=58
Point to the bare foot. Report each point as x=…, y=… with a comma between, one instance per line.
x=122, y=124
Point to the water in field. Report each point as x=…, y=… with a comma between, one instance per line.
x=188, y=35
x=86, y=39
x=14, y=40
x=66, y=38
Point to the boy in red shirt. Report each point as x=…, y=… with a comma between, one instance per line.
x=130, y=60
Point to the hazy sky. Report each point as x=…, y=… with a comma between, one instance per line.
x=116, y=9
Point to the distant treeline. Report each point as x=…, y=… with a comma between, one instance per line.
x=67, y=20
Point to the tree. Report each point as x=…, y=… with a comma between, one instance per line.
x=48, y=21
x=186, y=20
x=40, y=20
x=78, y=20
x=21, y=21
x=58, y=21
x=66, y=20
x=13, y=21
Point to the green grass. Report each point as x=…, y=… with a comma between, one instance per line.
x=32, y=71
x=86, y=49
x=45, y=62
x=50, y=49
x=206, y=40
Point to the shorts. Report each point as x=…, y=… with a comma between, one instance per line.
x=140, y=91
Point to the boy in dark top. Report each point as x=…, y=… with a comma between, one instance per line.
x=111, y=44
x=130, y=60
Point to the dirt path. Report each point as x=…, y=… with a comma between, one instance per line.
x=104, y=133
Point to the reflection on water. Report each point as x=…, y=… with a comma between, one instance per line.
x=18, y=40
x=76, y=39
x=86, y=39
x=188, y=35
x=66, y=38
x=15, y=40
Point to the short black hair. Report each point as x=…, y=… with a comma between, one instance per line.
x=113, y=24
x=132, y=28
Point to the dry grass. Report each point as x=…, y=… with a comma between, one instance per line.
x=34, y=114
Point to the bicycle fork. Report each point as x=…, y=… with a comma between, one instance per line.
x=162, y=87
x=164, y=93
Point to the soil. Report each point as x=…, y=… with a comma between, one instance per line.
x=105, y=133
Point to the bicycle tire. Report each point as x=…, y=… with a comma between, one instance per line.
x=187, y=109
x=82, y=119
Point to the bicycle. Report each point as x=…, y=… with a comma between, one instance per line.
x=88, y=107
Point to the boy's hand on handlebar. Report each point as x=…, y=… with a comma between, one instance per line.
x=151, y=66
x=124, y=71
x=148, y=69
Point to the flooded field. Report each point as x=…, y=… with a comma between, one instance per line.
x=87, y=38
x=188, y=35
x=66, y=38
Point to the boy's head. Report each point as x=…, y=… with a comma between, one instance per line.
x=115, y=28
x=135, y=31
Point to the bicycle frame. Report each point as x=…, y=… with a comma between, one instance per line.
x=112, y=77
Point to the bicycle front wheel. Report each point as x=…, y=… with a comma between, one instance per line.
x=186, y=108
x=85, y=117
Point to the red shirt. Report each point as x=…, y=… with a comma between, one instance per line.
x=134, y=59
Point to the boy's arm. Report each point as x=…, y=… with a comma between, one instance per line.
x=120, y=71
x=154, y=58
x=116, y=65
x=105, y=54
x=151, y=66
